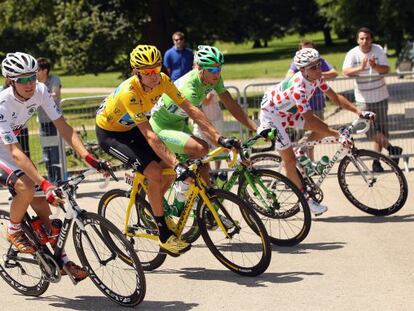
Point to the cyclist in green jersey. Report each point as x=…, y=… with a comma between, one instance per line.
x=171, y=123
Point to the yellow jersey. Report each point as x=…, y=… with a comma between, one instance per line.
x=128, y=105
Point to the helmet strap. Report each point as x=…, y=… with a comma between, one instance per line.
x=144, y=86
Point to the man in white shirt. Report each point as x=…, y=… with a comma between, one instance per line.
x=367, y=62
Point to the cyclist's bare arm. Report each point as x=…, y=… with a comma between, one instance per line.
x=237, y=111
x=70, y=136
x=342, y=102
x=317, y=126
x=330, y=74
x=200, y=118
x=157, y=145
x=24, y=163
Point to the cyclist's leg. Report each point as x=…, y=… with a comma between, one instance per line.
x=22, y=190
x=133, y=149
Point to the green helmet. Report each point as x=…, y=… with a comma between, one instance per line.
x=207, y=56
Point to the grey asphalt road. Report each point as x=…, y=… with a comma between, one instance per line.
x=349, y=261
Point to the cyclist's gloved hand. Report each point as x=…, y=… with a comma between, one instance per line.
x=345, y=138
x=182, y=172
x=100, y=165
x=369, y=115
x=53, y=194
x=229, y=142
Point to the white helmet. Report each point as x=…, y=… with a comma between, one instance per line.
x=306, y=56
x=17, y=64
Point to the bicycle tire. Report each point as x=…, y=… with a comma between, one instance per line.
x=392, y=181
x=285, y=213
x=88, y=240
x=229, y=249
x=16, y=279
x=113, y=205
x=267, y=161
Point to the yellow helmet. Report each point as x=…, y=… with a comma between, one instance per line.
x=145, y=56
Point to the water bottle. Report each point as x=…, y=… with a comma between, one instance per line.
x=323, y=162
x=307, y=165
x=39, y=230
x=221, y=180
x=181, y=189
x=56, y=226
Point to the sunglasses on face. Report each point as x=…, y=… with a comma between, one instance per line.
x=178, y=39
x=316, y=66
x=25, y=80
x=213, y=69
x=148, y=71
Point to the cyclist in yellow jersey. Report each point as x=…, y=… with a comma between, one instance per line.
x=123, y=131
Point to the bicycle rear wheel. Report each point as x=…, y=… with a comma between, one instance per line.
x=245, y=247
x=112, y=266
x=267, y=161
x=142, y=229
x=21, y=271
x=280, y=204
x=376, y=193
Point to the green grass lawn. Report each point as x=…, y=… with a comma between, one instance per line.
x=241, y=61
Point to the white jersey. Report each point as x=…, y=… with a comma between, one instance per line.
x=14, y=113
x=369, y=85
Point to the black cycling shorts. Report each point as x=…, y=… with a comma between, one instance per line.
x=129, y=147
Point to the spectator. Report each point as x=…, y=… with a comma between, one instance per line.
x=48, y=133
x=178, y=60
x=317, y=101
x=23, y=135
x=212, y=110
x=367, y=62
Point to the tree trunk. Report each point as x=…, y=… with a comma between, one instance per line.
x=257, y=44
x=159, y=30
x=327, y=35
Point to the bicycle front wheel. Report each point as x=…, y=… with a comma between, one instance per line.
x=280, y=204
x=113, y=266
x=243, y=246
x=376, y=193
x=21, y=271
x=142, y=231
x=267, y=161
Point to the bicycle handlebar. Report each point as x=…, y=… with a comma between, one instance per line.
x=359, y=121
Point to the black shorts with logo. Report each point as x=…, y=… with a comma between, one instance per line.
x=129, y=147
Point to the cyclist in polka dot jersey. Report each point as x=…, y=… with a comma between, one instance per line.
x=287, y=105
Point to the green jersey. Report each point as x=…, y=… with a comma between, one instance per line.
x=166, y=111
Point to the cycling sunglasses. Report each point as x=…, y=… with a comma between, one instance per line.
x=213, y=69
x=316, y=66
x=25, y=80
x=148, y=71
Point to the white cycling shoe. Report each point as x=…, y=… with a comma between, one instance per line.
x=317, y=208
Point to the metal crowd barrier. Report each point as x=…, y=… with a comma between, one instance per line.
x=400, y=111
x=82, y=119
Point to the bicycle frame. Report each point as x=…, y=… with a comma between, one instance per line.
x=197, y=189
x=339, y=154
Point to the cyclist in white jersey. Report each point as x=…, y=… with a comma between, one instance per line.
x=287, y=105
x=18, y=104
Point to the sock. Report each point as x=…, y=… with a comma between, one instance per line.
x=165, y=233
x=389, y=148
x=65, y=258
x=13, y=227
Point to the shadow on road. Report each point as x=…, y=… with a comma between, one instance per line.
x=303, y=248
x=368, y=219
x=101, y=303
x=198, y=273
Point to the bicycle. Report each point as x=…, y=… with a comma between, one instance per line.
x=113, y=267
x=360, y=185
x=230, y=228
x=282, y=207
